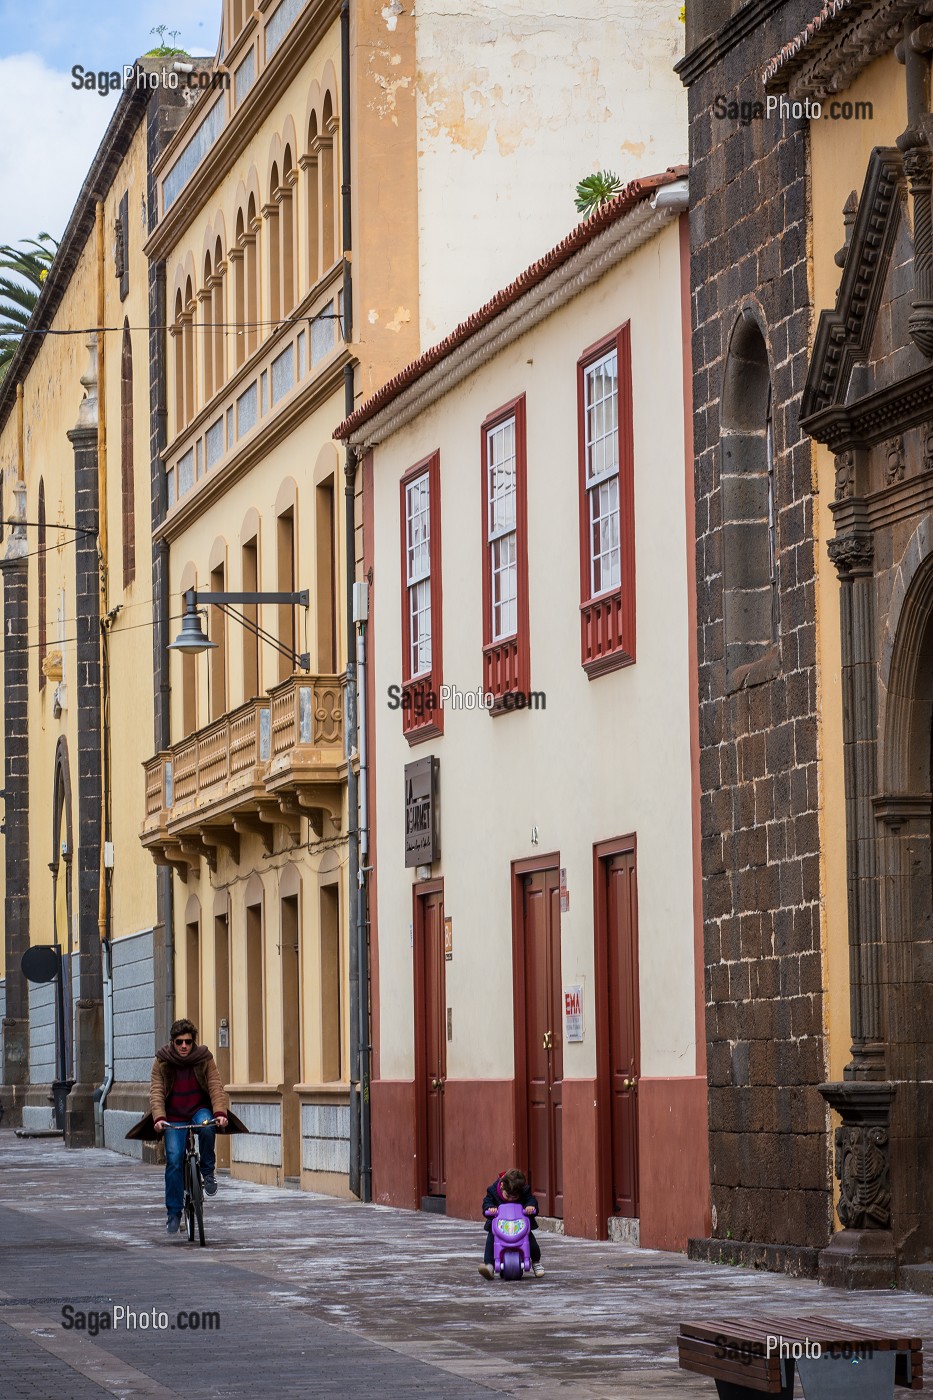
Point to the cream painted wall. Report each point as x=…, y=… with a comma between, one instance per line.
x=296, y=457
x=52, y=396
x=517, y=103
x=252, y=171
x=314, y=869
x=607, y=757
x=839, y=153
x=131, y=695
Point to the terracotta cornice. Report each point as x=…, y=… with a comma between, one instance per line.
x=285, y=65
x=217, y=481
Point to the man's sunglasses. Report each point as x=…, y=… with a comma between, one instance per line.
x=184, y=1040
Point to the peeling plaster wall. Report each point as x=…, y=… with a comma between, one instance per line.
x=515, y=105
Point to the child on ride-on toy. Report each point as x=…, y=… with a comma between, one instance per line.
x=510, y=1186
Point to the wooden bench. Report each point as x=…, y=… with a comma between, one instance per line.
x=748, y=1357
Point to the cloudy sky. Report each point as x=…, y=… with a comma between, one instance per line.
x=50, y=131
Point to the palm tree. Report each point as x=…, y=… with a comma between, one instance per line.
x=596, y=190
x=30, y=265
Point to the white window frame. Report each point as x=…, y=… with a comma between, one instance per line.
x=601, y=448
x=418, y=573
x=502, y=533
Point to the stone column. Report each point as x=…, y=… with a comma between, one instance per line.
x=861, y=1255
x=88, y=982
x=15, y=1040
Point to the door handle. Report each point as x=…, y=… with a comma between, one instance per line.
x=437, y=1084
x=629, y=1083
x=548, y=1041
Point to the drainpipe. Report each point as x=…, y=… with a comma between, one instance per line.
x=350, y=740
x=103, y=900
x=359, y=1093
x=361, y=614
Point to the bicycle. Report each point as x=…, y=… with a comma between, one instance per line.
x=193, y=1208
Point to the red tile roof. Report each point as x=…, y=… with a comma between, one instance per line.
x=636, y=192
x=831, y=9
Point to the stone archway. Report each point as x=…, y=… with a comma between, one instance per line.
x=61, y=867
x=904, y=818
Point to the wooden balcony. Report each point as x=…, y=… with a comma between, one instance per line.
x=267, y=764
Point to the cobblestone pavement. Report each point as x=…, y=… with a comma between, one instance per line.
x=318, y=1297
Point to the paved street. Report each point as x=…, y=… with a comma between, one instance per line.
x=324, y=1298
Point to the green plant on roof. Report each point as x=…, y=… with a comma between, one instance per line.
x=163, y=49
x=596, y=190
x=30, y=265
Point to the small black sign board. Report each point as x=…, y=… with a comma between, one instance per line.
x=41, y=963
x=422, y=836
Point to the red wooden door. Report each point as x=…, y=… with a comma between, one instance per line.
x=435, y=1038
x=544, y=1060
x=622, y=966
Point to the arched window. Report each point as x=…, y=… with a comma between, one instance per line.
x=328, y=191
x=187, y=337
x=249, y=554
x=218, y=315
x=286, y=537
x=287, y=233
x=192, y=987
x=252, y=277
x=206, y=296
x=218, y=633
x=749, y=529
x=126, y=457
x=189, y=666
x=255, y=980
x=178, y=329
x=43, y=584
x=314, y=203
x=271, y=212
x=238, y=258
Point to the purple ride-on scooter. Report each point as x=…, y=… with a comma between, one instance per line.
x=511, y=1234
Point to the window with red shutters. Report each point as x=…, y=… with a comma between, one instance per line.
x=422, y=716
x=506, y=666
x=607, y=517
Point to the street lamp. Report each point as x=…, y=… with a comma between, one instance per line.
x=191, y=640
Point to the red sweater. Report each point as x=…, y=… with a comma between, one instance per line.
x=186, y=1097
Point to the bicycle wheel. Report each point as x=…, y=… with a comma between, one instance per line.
x=196, y=1197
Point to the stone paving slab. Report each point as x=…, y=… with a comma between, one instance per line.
x=319, y=1297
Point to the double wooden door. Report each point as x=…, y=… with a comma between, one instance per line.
x=544, y=1058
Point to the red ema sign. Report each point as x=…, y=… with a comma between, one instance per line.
x=573, y=1003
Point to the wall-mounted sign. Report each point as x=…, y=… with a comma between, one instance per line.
x=573, y=1014
x=422, y=838
x=448, y=939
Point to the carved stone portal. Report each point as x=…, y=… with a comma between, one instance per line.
x=861, y=1254
x=862, y=1161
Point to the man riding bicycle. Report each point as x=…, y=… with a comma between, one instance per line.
x=185, y=1087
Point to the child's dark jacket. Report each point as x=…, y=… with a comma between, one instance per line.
x=494, y=1198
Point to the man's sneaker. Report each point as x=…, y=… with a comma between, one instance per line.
x=210, y=1184
x=487, y=1271
x=537, y=1269
x=173, y=1224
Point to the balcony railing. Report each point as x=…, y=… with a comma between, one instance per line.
x=265, y=764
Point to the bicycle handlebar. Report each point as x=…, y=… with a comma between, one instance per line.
x=208, y=1123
